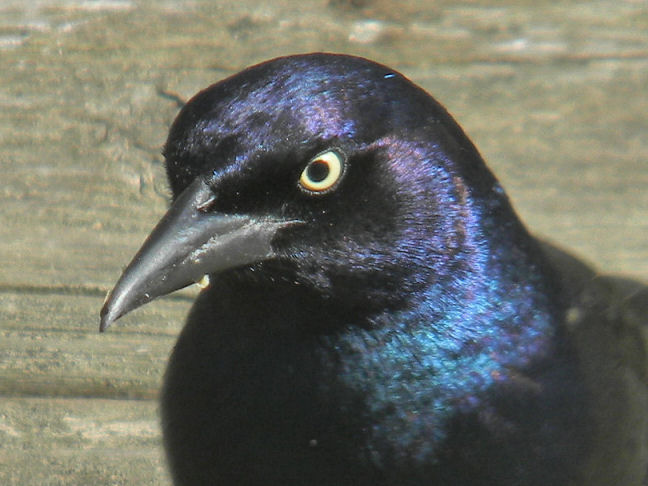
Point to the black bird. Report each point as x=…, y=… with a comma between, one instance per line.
x=376, y=313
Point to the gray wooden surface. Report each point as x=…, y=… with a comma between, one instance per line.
x=553, y=93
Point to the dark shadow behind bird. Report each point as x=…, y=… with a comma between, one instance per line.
x=376, y=314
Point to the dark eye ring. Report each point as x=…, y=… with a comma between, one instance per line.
x=323, y=172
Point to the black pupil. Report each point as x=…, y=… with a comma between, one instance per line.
x=318, y=171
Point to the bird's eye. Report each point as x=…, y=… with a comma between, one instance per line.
x=323, y=172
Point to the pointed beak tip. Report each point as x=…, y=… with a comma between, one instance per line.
x=110, y=312
x=105, y=319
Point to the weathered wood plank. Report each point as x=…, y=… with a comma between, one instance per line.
x=66, y=442
x=51, y=347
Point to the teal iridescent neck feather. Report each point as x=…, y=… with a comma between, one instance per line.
x=441, y=355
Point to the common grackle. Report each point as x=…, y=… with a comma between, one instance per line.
x=375, y=312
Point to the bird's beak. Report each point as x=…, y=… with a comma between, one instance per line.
x=188, y=244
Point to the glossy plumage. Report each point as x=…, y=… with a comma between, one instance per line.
x=376, y=314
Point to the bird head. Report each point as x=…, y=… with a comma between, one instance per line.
x=318, y=171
